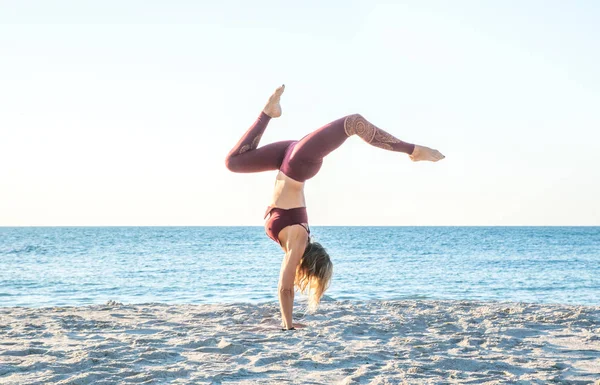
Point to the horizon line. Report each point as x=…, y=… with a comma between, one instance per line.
x=156, y=226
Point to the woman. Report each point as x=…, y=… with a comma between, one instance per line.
x=306, y=264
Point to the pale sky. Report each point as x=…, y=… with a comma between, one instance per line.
x=122, y=112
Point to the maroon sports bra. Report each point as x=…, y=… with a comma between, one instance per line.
x=282, y=218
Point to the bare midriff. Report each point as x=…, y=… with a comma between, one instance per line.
x=288, y=193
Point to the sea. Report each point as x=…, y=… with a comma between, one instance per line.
x=76, y=266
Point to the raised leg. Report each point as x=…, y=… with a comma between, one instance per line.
x=318, y=144
x=246, y=156
x=357, y=125
x=266, y=158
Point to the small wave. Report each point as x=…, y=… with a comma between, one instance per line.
x=29, y=249
x=411, y=297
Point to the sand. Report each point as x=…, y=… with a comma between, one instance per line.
x=345, y=342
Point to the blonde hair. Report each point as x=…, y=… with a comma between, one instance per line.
x=314, y=273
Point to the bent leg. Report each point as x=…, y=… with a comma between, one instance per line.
x=266, y=158
x=251, y=138
x=245, y=157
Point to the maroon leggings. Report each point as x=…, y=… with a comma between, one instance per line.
x=301, y=160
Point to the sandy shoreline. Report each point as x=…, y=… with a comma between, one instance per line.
x=345, y=342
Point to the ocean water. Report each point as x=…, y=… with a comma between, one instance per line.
x=55, y=266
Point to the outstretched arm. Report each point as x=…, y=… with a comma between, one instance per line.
x=286, y=291
x=294, y=239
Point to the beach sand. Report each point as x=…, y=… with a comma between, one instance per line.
x=345, y=342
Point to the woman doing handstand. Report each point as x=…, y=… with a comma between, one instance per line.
x=306, y=265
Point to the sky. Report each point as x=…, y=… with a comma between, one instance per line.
x=122, y=112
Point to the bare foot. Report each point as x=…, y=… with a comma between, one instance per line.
x=425, y=153
x=273, y=108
